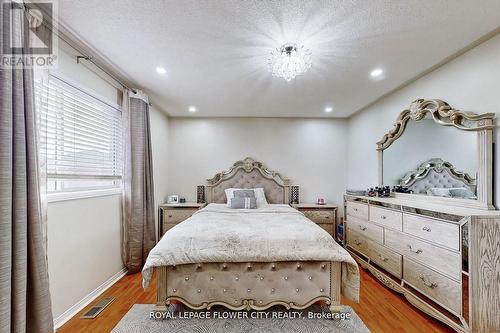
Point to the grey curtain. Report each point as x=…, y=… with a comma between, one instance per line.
x=24, y=283
x=138, y=225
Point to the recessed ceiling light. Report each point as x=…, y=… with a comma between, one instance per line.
x=328, y=109
x=192, y=109
x=377, y=72
x=160, y=70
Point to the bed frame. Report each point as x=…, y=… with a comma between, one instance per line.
x=249, y=285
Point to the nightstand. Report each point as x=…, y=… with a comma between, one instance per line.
x=323, y=215
x=172, y=214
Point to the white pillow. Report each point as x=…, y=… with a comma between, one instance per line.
x=462, y=192
x=439, y=192
x=259, y=195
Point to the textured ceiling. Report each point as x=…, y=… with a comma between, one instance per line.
x=215, y=51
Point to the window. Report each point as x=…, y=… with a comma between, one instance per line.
x=80, y=138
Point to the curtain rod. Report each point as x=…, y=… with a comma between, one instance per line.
x=83, y=55
x=90, y=59
x=70, y=43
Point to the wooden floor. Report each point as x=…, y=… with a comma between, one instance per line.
x=381, y=309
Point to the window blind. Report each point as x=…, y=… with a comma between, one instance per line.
x=81, y=137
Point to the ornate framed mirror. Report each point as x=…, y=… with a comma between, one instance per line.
x=443, y=155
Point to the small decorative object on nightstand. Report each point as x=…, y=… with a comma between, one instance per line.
x=173, y=199
x=172, y=214
x=323, y=215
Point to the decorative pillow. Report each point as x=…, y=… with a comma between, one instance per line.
x=439, y=192
x=243, y=202
x=244, y=193
x=462, y=192
x=259, y=195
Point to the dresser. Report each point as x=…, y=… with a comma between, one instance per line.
x=172, y=214
x=323, y=215
x=444, y=260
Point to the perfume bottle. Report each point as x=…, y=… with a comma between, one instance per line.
x=385, y=192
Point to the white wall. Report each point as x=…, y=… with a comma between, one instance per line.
x=311, y=152
x=84, y=234
x=470, y=82
x=83, y=247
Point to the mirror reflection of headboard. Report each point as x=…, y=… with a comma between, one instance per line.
x=249, y=173
x=437, y=173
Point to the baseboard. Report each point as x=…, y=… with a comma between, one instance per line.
x=68, y=314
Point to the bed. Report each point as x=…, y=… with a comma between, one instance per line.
x=246, y=259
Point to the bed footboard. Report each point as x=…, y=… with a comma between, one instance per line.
x=245, y=286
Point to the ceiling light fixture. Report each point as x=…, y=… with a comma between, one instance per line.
x=328, y=109
x=161, y=70
x=289, y=61
x=192, y=109
x=377, y=72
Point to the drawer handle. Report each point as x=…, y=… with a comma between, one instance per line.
x=426, y=228
x=362, y=228
x=357, y=242
x=417, y=251
x=355, y=209
x=170, y=216
x=383, y=258
x=383, y=217
x=431, y=285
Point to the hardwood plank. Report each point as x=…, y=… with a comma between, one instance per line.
x=382, y=310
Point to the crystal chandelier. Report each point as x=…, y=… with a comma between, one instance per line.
x=289, y=61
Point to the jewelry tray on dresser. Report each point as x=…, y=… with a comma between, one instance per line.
x=437, y=256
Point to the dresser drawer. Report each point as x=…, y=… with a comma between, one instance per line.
x=358, y=242
x=319, y=215
x=366, y=228
x=446, y=234
x=386, y=217
x=437, y=286
x=177, y=215
x=328, y=227
x=356, y=209
x=442, y=260
x=168, y=226
x=386, y=258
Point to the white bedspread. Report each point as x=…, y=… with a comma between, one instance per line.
x=217, y=233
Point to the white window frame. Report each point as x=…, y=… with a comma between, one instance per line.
x=91, y=193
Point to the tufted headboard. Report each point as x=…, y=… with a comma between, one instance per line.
x=249, y=173
x=437, y=173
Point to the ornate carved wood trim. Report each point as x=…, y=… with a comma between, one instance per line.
x=248, y=164
x=438, y=165
x=442, y=113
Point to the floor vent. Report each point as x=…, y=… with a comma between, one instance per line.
x=98, y=308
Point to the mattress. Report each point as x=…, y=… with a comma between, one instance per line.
x=272, y=233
